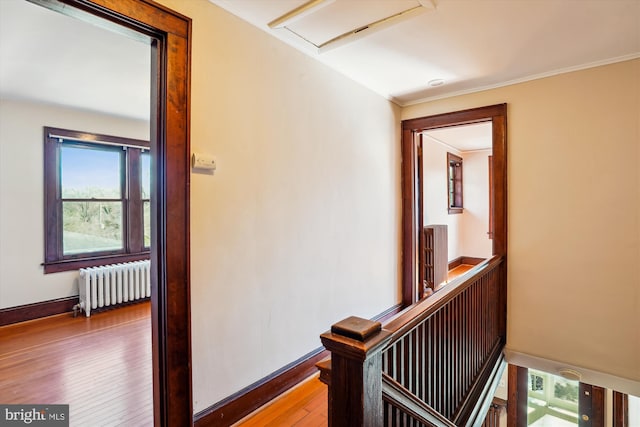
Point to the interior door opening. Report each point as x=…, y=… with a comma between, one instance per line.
x=414, y=199
x=168, y=34
x=455, y=201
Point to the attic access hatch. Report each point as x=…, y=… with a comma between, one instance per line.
x=327, y=24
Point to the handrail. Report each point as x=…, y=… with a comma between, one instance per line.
x=436, y=363
x=407, y=319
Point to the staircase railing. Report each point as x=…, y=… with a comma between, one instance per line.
x=436, y=363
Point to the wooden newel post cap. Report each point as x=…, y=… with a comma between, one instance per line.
x=357, y=328
x=355, y=338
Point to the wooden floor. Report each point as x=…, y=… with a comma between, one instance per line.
x=458, y=271
x=100, y=366
x=303, y=406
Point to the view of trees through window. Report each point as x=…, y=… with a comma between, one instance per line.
x=93, y=193
x=91, y=188
x=552, y=400
x=97, y=199
x=145, y=162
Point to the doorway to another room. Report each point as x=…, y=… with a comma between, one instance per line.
x=166, y=35
x=457, y=223
x=439, y=185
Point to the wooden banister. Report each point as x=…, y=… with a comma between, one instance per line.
x=355, y=397
x=409, y=405
x=436, y=363
x=410, y=317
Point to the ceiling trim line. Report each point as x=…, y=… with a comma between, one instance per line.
x=532, y=77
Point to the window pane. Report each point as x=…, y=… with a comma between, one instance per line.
x=147, y=223
x=634, y=410
x=552, y=400
x=88, y=172
x=145, y=167
x=91, y=226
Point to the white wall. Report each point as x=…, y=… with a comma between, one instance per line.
x=22, y=280
x=475, y=241
x=299, y=227
x=436, y=198
x=574, y=218
x=467, y=231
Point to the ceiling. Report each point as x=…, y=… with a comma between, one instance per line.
x=51, y=58
x=470, y=45
x=464, y=138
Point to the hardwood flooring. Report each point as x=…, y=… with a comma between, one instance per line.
x=100, y=366
x=458, y=271
x=303, y=406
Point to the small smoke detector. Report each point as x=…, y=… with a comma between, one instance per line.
x=570, y=374
x=435, y=82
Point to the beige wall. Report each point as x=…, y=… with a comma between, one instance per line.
x=574, y=216
x=22, y=280
x=299, y=226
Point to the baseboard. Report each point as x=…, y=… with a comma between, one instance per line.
x=36, y=310
x=456, y=262
x=247, y=400
x=468, y=260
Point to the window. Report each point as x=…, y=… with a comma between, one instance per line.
x=552, y=400
x=454, y=167
x=97, y=199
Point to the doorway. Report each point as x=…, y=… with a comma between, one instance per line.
x=413, y=186
x=542, y=399
x=169, y=36
x=456, y=234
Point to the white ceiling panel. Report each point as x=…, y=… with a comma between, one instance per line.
x=51, y=58
x=471, y=45
x=340, y=17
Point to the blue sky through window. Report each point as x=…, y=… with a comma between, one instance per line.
x=90, y=172
x=146, y=174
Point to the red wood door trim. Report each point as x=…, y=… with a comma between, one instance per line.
x=170, y=33
x=411, y=207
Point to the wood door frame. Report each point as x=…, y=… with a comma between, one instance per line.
x=591, y=401
x=620, y=409
x=412, y=185
x=170, y=35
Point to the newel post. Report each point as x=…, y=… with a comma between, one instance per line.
x=355, y=397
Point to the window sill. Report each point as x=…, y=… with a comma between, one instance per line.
x=75, y=264
x=455, y=211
